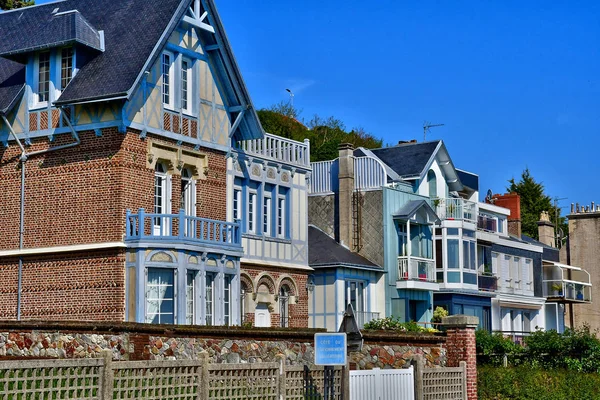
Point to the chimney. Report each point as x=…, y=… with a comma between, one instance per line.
x=546, y=230
x=512, y=201
x=346, y=188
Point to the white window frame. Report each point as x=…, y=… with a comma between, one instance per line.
x=190, y=297
x=227, y=299
x=171, y=80
x=236, y=208
x=515, y=265
x=188, y=199
x=36, y=103
x=147, y=300
x=189, y=72
x=210, y=318
x=281, y=216
x=252, y=211
x=360, y=293
x=160, y=225
x=267, y=214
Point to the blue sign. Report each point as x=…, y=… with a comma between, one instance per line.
x=330, y=349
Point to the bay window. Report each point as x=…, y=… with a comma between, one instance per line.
x=160, y=296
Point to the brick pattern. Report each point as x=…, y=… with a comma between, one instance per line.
x=74, y=286
x=79, y=195
x=298, y=313
x=461, y=347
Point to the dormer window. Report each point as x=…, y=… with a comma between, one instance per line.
x=43, y=85
x=66, y=67
x=52, y=72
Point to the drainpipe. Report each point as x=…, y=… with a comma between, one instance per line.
x=23, y=160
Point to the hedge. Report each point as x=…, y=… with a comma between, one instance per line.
x=499, y=383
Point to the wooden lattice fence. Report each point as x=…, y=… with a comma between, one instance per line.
x=104, y=379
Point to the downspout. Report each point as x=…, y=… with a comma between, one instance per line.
x=23, y=160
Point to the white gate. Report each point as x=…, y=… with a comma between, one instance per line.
x=382, y=384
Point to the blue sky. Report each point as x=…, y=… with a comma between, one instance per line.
x=517, y=84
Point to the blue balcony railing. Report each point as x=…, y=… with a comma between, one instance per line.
x=181, y=227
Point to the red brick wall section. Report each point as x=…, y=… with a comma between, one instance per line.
x=299, y=311
x=512, y=201
x=79, y=195
x=460, y=345
x=81, y=286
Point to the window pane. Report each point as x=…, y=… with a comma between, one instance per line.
x=160, y=296
x=166, y=84
x=469, y=279
x=267, y=215
x=184, y=84
x=66, y=69
x=190, y=297
x=227, y=300
x=452, y=231
x=44, y=77
x=210, y=280
x=453, y=277
x=453, y=257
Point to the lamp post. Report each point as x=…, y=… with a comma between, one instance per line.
x=291, y=96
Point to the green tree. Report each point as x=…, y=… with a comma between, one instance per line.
x=10, y=4
x=533, y=202
x=325, y=134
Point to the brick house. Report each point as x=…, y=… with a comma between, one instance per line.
x=119, y=141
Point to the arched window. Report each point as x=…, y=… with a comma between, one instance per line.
x=161, y=198
x=432, y=181
x=284, y=306
x=244, y=291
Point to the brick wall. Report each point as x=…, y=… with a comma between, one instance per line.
x=69, y=286
x=79, y=195
x=298, y=312
x=460, y=343
x=512, y=201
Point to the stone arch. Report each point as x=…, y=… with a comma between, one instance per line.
x=246, y=281
x=267, y=280
x=289, y=282
x=161, y=256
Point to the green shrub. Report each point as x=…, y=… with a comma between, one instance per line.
x=498, y=383
x=576, y=350
x=394, y=324
x=439, y=313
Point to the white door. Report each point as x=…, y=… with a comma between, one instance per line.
x=262, y=316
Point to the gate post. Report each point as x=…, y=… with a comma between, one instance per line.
x=460, y=342
x=107, y=376
x=418, y=365
x=204, y=377
x=282, y=377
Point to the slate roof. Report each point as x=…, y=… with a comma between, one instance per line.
x=410, y=207
x=323, y=250
x=38, y=30
x=408, y=159
x=550, y=253
x=12, y=82
x=132, y=29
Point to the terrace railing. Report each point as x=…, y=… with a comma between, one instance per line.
x=277, y=148
x=181, y=227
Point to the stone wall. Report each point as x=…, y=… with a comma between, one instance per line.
x=129, y=341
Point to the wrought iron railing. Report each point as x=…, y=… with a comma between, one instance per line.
x=142, y=226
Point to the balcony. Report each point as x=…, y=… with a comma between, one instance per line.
x=183, y=229
x=487, y=283
x=456, y=209
x=567, y=291
x=276, y=148
x=416, y=273
x=487, y=224
x=566, y=284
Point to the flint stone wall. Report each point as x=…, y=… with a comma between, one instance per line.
x=128, y=341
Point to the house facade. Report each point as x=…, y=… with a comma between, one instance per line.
x=119, y=159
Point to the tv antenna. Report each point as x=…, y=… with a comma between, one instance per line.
x=427, y=126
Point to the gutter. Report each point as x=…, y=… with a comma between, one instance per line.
x=23, y=160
